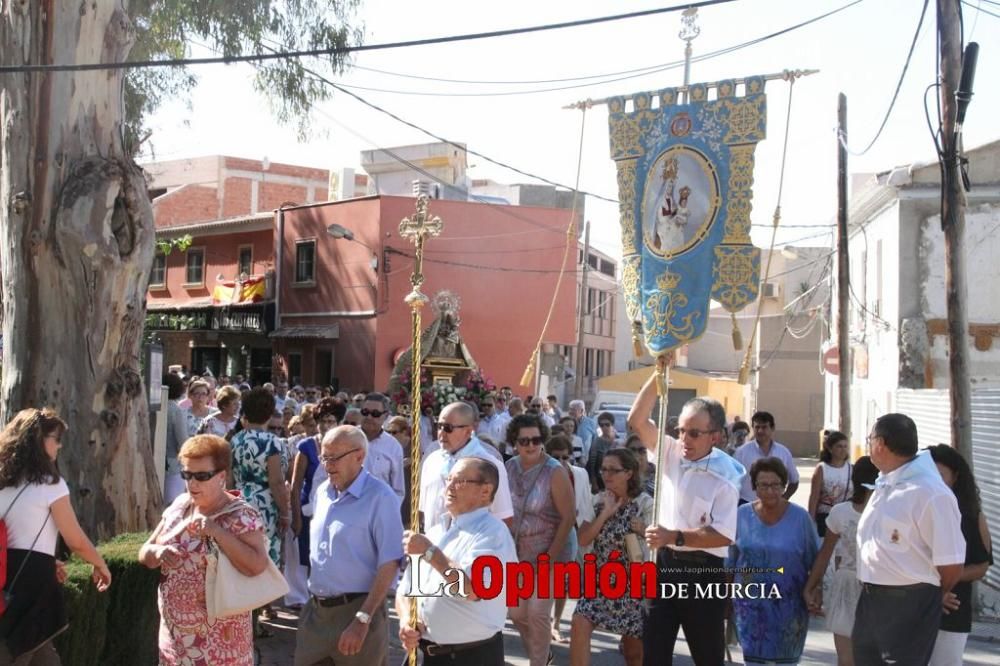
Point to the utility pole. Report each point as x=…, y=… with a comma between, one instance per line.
x=583, y=311
x=953, y=225
x=843, y=274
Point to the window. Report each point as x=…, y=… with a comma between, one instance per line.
x=592, y=260
x=245, y=262
x=588, y=362
x=305, y=261
x=158, y=275
x=591, y=300
x=195, y=266
x=607, y=267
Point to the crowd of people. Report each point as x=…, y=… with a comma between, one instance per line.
x=318, y=484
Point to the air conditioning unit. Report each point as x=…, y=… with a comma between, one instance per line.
x=770, y=290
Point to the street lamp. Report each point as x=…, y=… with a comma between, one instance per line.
x=339, y=231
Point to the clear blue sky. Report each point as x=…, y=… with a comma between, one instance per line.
x=860, y=52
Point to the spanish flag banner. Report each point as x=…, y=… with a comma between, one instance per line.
x=685, y=178
x=250, y=290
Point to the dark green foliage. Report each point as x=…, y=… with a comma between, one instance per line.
x=166, y=29
x=117, y=627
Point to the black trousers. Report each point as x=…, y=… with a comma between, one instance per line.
x=488, y=654
x=896, y=625
x=703, y=620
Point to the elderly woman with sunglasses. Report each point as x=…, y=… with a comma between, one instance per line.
x=179, y=546
x=623, y=511
x=544, y=517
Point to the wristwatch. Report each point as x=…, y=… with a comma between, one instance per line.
x=679, y=539
x=363, y=617
x=429, y=553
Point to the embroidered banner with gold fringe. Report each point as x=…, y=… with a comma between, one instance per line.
x=685, y=179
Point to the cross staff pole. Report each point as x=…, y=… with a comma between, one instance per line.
x=416, y=229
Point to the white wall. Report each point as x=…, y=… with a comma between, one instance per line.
x=982, y=260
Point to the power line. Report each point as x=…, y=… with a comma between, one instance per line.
x=592, y=80
x=344, y=50
x=981, y=10
x=895, y=95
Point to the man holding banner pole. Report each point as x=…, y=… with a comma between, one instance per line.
x=698, y=492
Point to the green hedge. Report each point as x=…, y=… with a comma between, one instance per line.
x=118, y=626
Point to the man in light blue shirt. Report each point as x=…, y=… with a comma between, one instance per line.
x=354, y=553
x=454, y=629
x=586, y=426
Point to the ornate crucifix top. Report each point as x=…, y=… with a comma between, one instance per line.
x=417, y=229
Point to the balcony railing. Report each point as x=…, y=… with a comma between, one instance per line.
x=246, y=319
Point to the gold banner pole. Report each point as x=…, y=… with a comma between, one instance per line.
x=416, y=229
x=662, y=387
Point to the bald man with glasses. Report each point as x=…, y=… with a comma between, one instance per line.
x=355, y=550
x=456, y=434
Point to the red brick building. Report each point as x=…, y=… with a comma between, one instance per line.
x=332, y=310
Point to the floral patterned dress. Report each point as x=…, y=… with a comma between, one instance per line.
x=186, y=637
x=251, y=449
x=623, y=616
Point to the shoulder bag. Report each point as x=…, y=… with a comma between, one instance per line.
x=229, y=592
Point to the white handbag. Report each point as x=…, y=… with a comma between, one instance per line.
x=229, y=592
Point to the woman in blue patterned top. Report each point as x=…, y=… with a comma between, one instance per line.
x=257, y=468
x=771, y=533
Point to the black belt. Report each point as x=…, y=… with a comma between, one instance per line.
x=894, y=590
x=697, y=556
x=434, y=649
x=339, y=600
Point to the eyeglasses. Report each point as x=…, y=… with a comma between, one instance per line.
x=459, y=483
x=610, y=471
x=197, y=476
x=770, y=486
x=536, y=405
x=199, y=394
x=374, y=413
x=694, y=433
x=533, y=441
x=605, y=424
x=563, y=458
x=329, y=460
x=488, y=404
x=449, y=427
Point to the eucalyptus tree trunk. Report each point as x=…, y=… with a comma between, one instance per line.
x=77, y=245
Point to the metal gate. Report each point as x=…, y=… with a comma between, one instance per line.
x=986, y=458
x=930, y=409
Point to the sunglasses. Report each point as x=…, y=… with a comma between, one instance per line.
x=374, y=413
x=693, y=433
x=562, y=458
x=329, y=460
x=449, y=427
x=197, y=476
x=533, y=441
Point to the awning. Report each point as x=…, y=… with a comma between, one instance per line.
x=331, y=332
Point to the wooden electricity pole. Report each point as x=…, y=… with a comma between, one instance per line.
x=843, y=274
x=583, y=313
x=953, y=225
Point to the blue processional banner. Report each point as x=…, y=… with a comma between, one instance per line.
x=685, y=179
